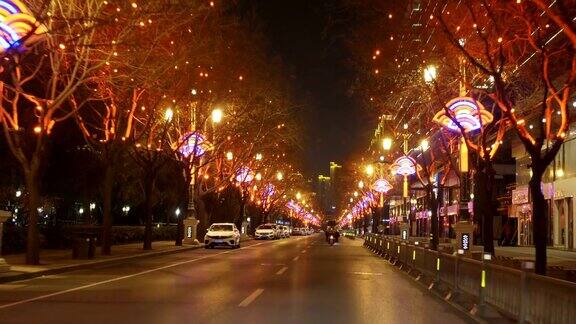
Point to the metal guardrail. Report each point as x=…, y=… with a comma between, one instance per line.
x=522, y=295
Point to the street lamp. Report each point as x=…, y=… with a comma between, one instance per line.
x=168, y=114
x=369, y=170
x=424, y=145
x=18, y=193
x=430, y=74
x=92, y=206
x=386, y=143
x=217, y=115
x=177, y=212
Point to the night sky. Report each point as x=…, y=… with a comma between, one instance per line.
x=299, y=32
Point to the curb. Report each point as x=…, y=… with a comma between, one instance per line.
x=88, y=265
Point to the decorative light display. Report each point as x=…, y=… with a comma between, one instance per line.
x=300, y=212
x=468, y=113
x=245, y=174
x=194, y=143
x=405, y=166
x=382, y=186
x=17, y=26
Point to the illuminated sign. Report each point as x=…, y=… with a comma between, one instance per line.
x=465, y=241
x=189, y=232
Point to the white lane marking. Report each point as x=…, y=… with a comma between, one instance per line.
x=296, y=258
x=248, y=300
x=10, y=286
x=281, y=271
x=99, y=283
x=303, y=251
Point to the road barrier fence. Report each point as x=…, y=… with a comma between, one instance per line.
x=522, y=295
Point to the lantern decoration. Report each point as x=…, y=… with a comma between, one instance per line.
x=382, y=186
x=17, y=26
x=405, y=166
x=468, y=113
x=245, y=174
x=193, y=143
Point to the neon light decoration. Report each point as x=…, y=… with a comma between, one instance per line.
x=382, y=186
x=245, y=174
x=467, y=112
x=16, y=23
x=194, y=143
x=404, y=166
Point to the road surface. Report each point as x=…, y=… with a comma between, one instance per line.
x=296, y=280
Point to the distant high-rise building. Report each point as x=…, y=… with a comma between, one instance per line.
x=323, y=191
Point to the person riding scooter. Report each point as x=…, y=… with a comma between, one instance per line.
x=332, y=231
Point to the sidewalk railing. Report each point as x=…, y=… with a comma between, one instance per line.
x=522, y=295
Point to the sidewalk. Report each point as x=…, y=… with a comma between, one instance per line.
x=58, y=261
x=566, y=259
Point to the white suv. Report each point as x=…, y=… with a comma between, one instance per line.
x=267, y=231
x=222, y=234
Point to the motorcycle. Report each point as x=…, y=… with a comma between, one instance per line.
x=331, y=240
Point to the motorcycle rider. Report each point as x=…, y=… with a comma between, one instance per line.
x=334, y=232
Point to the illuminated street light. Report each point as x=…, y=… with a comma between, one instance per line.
x=424, y=145
x=92, y=206
x=430, y=73
x=387, y=143
x=81, y=211
x=168, y=114
x=217, y=115
x=18, y=193
x=369, y=170
x=177, y=212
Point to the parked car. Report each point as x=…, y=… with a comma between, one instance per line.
x=267, y=232
x=285, y=231
x=222, y=234
x=296, y=231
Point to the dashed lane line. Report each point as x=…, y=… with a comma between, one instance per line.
x=281, y=271
x=248, y=300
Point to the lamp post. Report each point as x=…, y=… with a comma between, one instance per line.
x=463, y=115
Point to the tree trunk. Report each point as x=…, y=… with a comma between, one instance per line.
x=148, y=192
x=33, y=239
x=485, y=205
x=376, y=220
x=107, y=210
x=539, y=218
x=434, y=228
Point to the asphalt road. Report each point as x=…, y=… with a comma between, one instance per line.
x=296, y=280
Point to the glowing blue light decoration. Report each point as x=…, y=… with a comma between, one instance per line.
x=16, y=24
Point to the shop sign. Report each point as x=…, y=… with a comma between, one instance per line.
x=520, y=195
